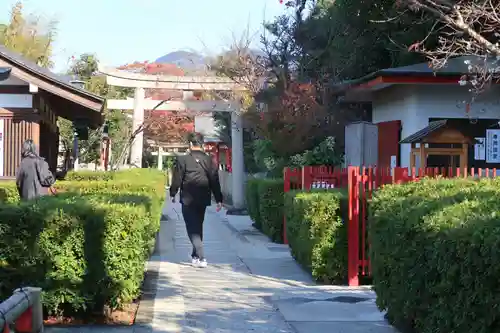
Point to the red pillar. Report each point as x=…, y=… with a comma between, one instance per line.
x=229, y=160
x=217, y=155
x=286, y=178
x=353, y=228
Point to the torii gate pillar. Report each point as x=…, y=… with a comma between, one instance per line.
x=137, y=122
x=238, y=163
x=141, y=81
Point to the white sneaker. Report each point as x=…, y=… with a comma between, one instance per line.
x=202, y=263
x=195, y=262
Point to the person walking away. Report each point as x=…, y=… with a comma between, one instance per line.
x=196, y=177
x=34, y=179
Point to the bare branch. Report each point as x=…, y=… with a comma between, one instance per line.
x=468, y=28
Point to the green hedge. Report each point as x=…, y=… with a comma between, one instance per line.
x=252, y=201
x=317, y=232
x=87, y=246
x=8, y=192
x=133, y=180
x=270, y=193
x=264, y=199
x=435, y=254
x=85, y=175
x=134, y=175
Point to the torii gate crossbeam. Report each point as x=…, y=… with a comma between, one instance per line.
x=184, y=83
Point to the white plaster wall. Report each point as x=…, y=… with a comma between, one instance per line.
x=206, y=125
x=16, y=101
x=414, y=105
x=397, y=103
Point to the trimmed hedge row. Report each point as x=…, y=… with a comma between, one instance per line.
x=132, y=180
x=317, y=233
x=85, y=175
x=252, y=201
x=8, y=192
x=87, y=246
x=434, y=254
x=271, y=203
x=132, y=175
x=265, y=206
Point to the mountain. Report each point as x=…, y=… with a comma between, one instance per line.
x=183, y=59
x=192, y=62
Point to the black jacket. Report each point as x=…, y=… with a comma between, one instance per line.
x=196, y=176
x=33, y=178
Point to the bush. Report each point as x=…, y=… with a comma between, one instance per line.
x=317, y=232
x=86, y=175
x=270, y=196
x=87, y=246
x=252, y=199
x=435, y=255
x=8, y=192
x=132, y=175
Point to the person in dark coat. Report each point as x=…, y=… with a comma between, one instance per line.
x=197, y=178
x=34, y=179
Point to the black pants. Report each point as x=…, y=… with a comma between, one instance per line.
x=193, y=217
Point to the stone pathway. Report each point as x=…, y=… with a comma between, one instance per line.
x=251, y=285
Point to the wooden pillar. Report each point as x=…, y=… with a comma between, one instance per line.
x=35, y=135
x=413, y=161
x=76, y=153
x=107, y=151
x=464, y=156
x=423, y=156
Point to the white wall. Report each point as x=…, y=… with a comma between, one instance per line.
x=16, y=101
x=206, y=125
x=397, y=103
x=414, y=105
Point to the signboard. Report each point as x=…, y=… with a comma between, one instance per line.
x=480, y=149
x=1, y=146
x=493, y=146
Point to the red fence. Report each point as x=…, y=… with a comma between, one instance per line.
x=361, y=182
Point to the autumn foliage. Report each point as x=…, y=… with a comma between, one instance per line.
x=163, y=126
x=292, y=120
x=167, y=127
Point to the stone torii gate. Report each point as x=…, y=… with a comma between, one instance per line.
x=186, y=84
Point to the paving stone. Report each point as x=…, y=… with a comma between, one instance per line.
x=250, y=285
x=343, y=327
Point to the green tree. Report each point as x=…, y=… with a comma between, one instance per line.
x=29, y=36
x=464, y=28
x=242, y=64
x=346, y=39
x=85, y=67
x=119, y=125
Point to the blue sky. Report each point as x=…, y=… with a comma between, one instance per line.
x=122, y=31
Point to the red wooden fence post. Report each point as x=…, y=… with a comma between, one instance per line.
x=353, y=228
x=306, y=177
x=286, y=188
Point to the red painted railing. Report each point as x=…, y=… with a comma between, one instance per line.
x=310, y=177
x=361, y=183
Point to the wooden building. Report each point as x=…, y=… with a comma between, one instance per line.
x=414, y=101
x=31, y=100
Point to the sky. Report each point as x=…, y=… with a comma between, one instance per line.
x=124, y=31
